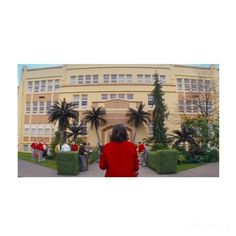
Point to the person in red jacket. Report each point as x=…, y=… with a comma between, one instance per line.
x=119, y=157
x=34, y=149
x=74, y=147
x=141, y=150
x=40, y=150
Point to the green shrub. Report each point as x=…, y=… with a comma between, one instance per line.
x=158, y=146
x=93, y=156
x=211, y=156
x=68, y=164
x=163, y=161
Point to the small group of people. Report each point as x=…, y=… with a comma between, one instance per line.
x=143, y=153
x=83, y=150
x=40, y=150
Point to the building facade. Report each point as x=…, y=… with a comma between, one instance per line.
x=114, y=87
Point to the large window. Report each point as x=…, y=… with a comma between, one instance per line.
x=73, y=79
x=80, y=79
x=25, y=147
x=50, y=85
x=27, y=107
x=57, y=84
x=106, y=79
x=35, y=107
x=188, y=106
x=162, y=79
x=43, y=86
x=129, y=78
x=181, y=105
x=84, y=101
x=195, y=106
x=40, y=131
x=33, y=132
x=150, y=101
x=26, y=130
x=41, y=107
x=104, y=96
x=130, y=96
x=200, y=85
x=148, y=79
x=114, y=78
x=179, y=84
x=121, y=96
x=187, y=84
x=121, y=78
x=48, y=106
x=95, y=79
x=208, y=85
x=140, y=78
x=113, y=96
x=76, y=101
x=88, y=79
x=30, y=87
x=36, y=86
x=194, y=85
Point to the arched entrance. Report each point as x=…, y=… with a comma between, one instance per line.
x=106, y=133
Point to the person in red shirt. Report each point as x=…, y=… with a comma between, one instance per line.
x=74, y=147
x=40, y=150
x=34, y=149
x=119, y=157
x=141, y=149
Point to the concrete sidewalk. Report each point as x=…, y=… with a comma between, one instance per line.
x=27, y=169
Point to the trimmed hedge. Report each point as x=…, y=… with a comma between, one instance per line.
x=68, y=163
x=93, y=156
x=163, y=161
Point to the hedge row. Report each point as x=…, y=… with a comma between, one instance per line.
x=93, y=156
x=163, y=161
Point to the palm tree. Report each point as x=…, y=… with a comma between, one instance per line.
x=62, y=113
x=95, y=118
x=138, y=118
x=75, y=130
x=184, y=136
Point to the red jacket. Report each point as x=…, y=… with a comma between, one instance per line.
x=74, y=147
x=40, y=146
x=141, y=148
x=120, y=159
x=34, y=145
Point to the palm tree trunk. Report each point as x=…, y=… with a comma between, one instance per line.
x=99, y=141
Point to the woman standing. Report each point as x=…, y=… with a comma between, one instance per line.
x=119, y=157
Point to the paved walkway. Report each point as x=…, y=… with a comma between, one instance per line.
x=27, y=169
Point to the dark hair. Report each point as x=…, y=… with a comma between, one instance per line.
x=119, y=133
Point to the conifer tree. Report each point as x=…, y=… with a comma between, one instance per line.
x=159, y=114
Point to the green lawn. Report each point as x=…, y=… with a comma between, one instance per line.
x=182, y=167
x=27, y=157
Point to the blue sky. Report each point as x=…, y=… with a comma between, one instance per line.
x=31, y=66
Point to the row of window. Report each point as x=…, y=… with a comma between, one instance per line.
x=191, y=106
x=43, y=86
x=41, y=107
x=38, y=130
x=83, y=100
x=193, y=85
x=128, y=96
x=115, y=78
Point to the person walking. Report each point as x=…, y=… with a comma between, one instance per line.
x=146, y=155
x=34, y=150
x=141, y=149
x=82, y=158
x=119, y=157
x=40, y=150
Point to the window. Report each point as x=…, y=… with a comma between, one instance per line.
x=104, y=96
x=194, y=85
x=30, y=87
x=148, y=79
x=40, y=132
x=209, y=107
x=114, y=78
x=150, y=130
x=95, y=79
x=35, y=107
x=162, y=79
x=200, y=85
x=43, y=86
x=188, y=106
x=208, y=85
x=50, y=85
x=186, y=84
x=76, y=101
x=140, y=78
x=48, y=106
x=179, y=84
x=84, y=101
x=130, y=96
x=57, y=84
x=129, y=78
x=195, y=106
x=181, y=105
x=80, y=79
x=106, y=79
x=73, y=79
x=88, y=79
x=113, y=96
x=27, y=107
x=47, y=131
x=26, y=130
x=121, y=78
x=36, y=86
x=33, y=132
x=150, y=101
x=26, y=147
x=121, y=96
x=41, y=107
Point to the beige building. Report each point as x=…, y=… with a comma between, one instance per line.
x=114, y=87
